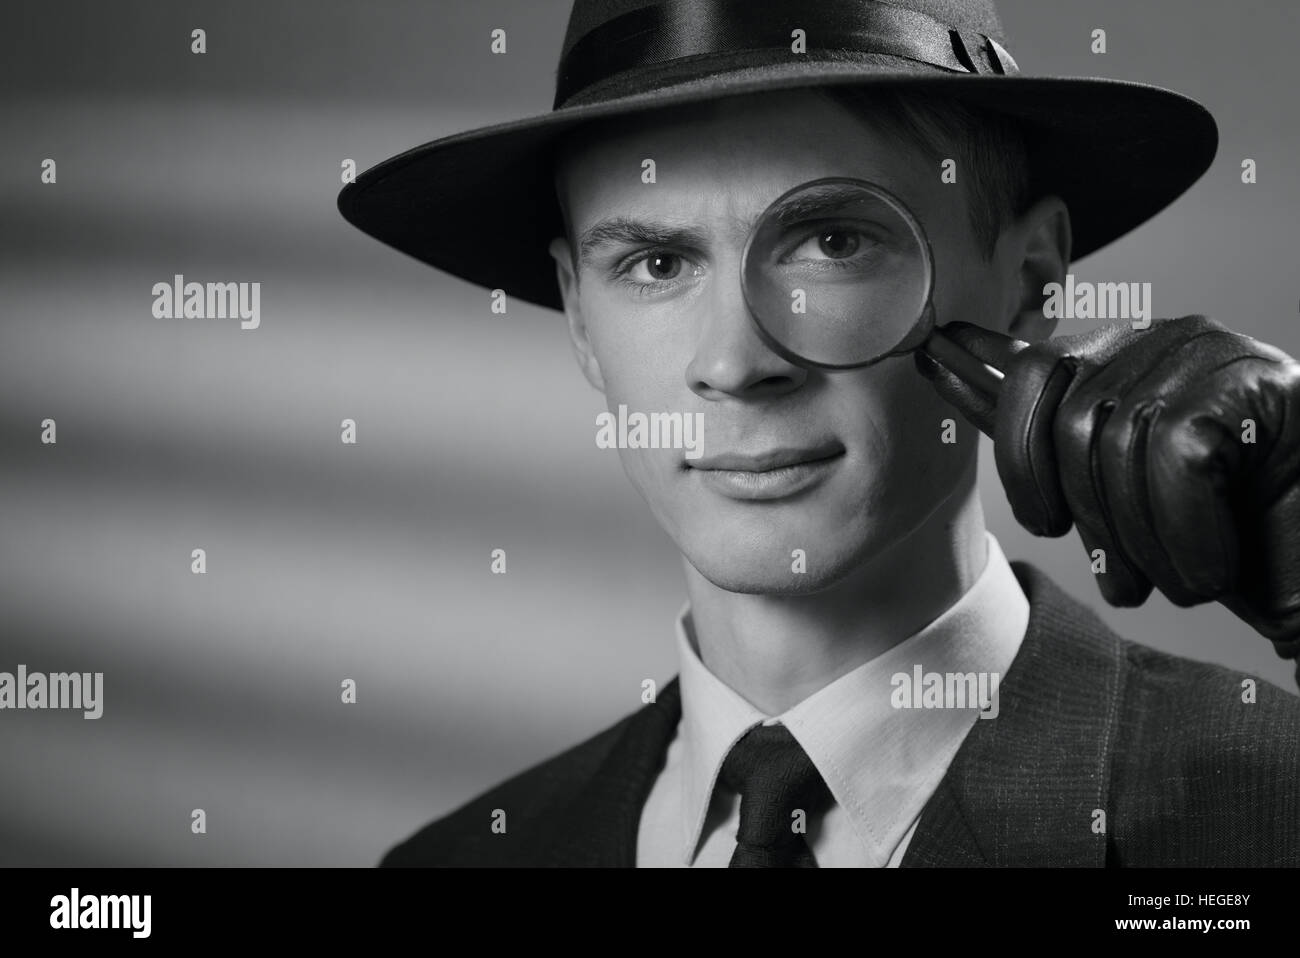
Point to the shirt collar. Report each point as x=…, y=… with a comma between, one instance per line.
x=880, y=762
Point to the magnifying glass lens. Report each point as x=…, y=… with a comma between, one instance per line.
x=837, y=273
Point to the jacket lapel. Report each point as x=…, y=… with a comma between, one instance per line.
x=599, y=827
x=1027, y=787
x=1023, y=789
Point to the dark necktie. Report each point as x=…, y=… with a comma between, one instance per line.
x=775, y=777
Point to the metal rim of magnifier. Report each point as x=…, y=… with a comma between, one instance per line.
x=920, y=331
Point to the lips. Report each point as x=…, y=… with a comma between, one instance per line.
x=772, y=475
x=768, y=460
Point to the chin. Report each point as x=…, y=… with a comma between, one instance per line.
x=756, y=565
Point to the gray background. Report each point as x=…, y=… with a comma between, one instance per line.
x=476, y=430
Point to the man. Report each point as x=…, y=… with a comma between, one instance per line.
x=864, y=679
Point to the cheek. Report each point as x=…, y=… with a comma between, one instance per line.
x=643, y=370
x=640, y=353
x=908, y=427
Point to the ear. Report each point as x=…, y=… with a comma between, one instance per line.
x=568, y=281
x=1038, y=250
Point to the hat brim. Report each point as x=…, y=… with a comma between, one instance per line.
x=1115, y=151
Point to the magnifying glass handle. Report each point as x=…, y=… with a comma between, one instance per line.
x=953, y=357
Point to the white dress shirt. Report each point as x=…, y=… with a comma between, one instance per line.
x=881, y=762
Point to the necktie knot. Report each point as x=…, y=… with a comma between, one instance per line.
x=776, y=780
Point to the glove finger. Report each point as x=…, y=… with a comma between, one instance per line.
x=1024, y=447
x=1120, y=584
x=988, y=346
x=1191, y=457
x=1123, y=451
x=1078, y=428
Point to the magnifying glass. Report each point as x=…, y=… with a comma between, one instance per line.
x=838, y=274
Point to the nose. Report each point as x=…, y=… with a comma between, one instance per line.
x=730, y=358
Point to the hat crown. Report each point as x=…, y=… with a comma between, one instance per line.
x=614, y=48
x=976, y=16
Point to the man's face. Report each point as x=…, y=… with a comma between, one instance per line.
x=661, y=325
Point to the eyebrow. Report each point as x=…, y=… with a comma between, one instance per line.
x=621, y=229
x=823, y=200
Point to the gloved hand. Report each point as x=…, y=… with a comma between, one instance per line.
x=1175, y=449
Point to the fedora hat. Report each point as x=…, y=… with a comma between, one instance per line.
x=1116, y=152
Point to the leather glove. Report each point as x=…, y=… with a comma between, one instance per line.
x=1139, y=437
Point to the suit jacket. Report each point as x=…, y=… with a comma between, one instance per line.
x=1104, y=753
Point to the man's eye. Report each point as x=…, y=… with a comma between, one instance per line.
x=829, y=244
x=656, y=267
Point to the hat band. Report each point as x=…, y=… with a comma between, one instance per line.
x=669, y=31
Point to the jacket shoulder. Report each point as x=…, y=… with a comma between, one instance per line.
x=1191, y=763
x=1208, y=765
x=529, y=799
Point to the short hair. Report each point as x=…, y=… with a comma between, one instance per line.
x=991, y=149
